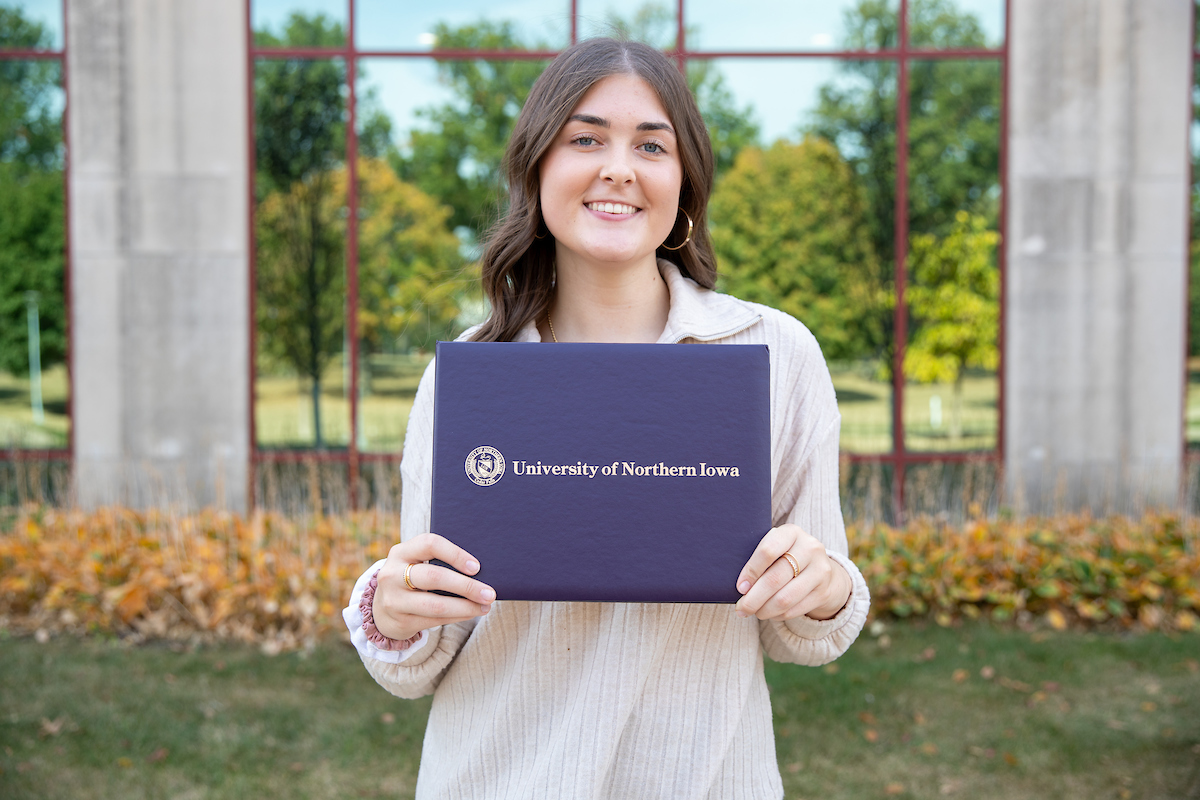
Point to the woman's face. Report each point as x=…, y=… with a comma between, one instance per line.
x=610, y=182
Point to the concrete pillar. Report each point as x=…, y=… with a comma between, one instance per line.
x=1097, y=234
x=158, y=225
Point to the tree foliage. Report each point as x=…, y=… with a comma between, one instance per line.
x=411, y=277
x=790, y=231
x=955, y=299
x=954, y=120
x=456, y=155
x=32, y=243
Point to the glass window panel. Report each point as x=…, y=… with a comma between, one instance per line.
x=302, y=381
x=429, y=186
x=1192, y=425
x=31, y=24
x=791, y=25
x=954, y=490
x=300, y=23
x=33, y=322
x=467, y=24
x=793, y=212
x=956, y=23
x=953, y=291
x=650, y=21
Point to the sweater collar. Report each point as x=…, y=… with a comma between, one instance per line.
x=696, y=313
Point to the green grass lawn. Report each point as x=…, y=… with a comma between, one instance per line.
x=1067, y=715
x=283, y=414
x=865, y=403
x=17, y=425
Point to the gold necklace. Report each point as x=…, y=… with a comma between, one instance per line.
x=550, y=322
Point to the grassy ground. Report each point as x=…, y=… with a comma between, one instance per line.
x=17, y=426
x=866, y=406
x=911, y=715
x=283, y=405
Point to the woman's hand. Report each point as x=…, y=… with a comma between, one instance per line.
x=817, y=586
x=402, y=612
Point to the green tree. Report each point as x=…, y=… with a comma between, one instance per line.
x=411, y=277
x=954, y=126
x=31, y=198
x=955, y=298
x=456, y=156
x=300, y=139
x=790, y=230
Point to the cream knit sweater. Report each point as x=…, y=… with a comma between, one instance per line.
x=604, y=700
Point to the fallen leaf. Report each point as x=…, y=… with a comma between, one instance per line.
x=831, y=669
x=1016, y=686
x=1009, y=733
x=1035, y=698
x=893, y=789
x=959, y=675
x=1167, y=733
x=1124, y=794
x=867, y=718
x=794, y=767
x=928, y=654
x=987, y=673
x=885, y=642
x=919, y=718
x=1050, y=687
x=929, y=749
x=871, y=735
x=169, y=678
x=387, y=718
x=1057, y=619
x=949, y=787
x=124, y=762
x=158, y=755
x=1010, y=759
x=1148, y=706
x=297, y=766
x=52, y=727
x=1116, y=724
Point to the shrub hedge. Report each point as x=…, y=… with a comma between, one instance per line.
x=282, y=582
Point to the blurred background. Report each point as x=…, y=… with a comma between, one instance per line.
x=231, y=231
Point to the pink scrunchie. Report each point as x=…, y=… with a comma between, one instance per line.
x=373, y=635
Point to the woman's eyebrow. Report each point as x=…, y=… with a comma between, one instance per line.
x=601, y=122
x=656, y=126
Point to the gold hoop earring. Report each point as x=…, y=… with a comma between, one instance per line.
x=689, y=236
x=542, y=236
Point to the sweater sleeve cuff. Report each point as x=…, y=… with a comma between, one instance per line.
x=809, y=628
x=358, y=636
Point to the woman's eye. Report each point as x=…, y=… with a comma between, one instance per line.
x=653, y=147
x=586, y=141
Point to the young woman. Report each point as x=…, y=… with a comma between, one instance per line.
x=605, y=240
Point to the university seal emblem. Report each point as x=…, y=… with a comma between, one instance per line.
x=485, y=465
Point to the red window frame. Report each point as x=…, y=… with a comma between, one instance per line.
x=60, y=55
x=899, y=457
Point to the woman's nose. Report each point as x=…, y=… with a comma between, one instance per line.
x=617, y=168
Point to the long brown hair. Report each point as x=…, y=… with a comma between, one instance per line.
x=517, y=270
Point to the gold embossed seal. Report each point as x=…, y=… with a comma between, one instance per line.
x=485, y=465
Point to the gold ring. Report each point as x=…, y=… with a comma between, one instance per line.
x=408, y=580
x=795, y=564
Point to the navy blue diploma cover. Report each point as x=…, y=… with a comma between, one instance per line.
x=603, y=472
